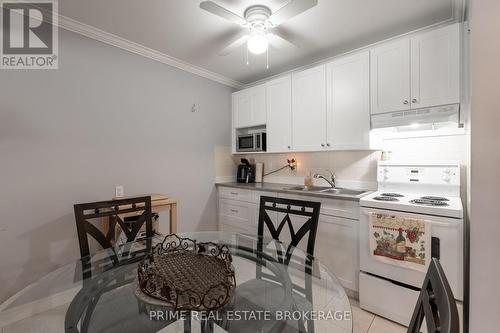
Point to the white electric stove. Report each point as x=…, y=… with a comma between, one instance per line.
x=425, y=190
x=420, y=203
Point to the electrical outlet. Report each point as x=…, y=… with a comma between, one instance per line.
x=119, y=191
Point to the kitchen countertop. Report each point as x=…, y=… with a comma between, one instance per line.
x=283, y=188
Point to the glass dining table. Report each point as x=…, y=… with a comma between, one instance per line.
x=109, y=299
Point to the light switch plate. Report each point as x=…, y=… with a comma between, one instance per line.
x=119, y=191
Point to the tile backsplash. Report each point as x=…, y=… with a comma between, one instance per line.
x=353, y=168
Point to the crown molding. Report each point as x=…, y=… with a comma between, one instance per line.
x=343, y=54
x=89, y=31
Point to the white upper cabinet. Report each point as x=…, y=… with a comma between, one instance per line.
x=416, y=72
x=279, y=115
x=309, y=109
x=348, y=102
x=249, y=107
x=435, y=67
x=241, y=109
x=390, y=77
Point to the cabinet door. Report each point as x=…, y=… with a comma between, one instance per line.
x=348, y=102
x=337, y=248
x=309, y=109
x=435, y=67
x=258, y=105
x=249, y=107
x=279, y=115
x=390, y=77
x=242, y=116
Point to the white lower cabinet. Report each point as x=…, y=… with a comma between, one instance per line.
x=238, y=214
x=239, y=210
x=337, y=248
x=337, y=236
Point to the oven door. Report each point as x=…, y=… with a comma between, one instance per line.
x=245, y=143
x=447, y=234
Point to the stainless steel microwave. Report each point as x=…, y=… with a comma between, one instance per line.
x=251, y=142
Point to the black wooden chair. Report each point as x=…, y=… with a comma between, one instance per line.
x=266, y=287
x=130, y=215
x=436, y=304
x=137, y=208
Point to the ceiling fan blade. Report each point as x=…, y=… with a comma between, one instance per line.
x=234, y=45
x=215, y=9
x=279, y=42
x=293, y=8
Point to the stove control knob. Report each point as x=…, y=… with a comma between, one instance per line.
x=446, y=178
x=447, y=171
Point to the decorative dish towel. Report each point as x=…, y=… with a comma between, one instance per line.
x=401, y=241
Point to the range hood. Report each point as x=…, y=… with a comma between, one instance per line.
x=434, y=115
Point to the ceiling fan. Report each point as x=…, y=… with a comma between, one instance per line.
x=259, y=20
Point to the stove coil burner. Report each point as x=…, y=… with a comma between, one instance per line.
x=428, y=202
x=430, y=197
x=385, y=198
x=393, y=195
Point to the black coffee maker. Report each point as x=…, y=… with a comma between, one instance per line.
x=246, y=172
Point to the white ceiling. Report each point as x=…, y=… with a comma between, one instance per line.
x=179, y=28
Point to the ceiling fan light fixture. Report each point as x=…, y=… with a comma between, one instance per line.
x=258, y=43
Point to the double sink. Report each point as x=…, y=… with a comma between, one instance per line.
x=336, y=191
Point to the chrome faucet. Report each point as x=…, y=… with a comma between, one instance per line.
x=332, y=180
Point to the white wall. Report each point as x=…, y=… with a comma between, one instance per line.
x=485, y=163
x=106, y=117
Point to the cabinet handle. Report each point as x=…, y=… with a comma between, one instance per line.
x=328, y=145
x=234, y=193
x=289, y=147
x=414, y=100
x=405, y=102
x=234, y=210
x=322, y=145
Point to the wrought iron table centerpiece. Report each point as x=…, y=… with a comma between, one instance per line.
x=188, y=275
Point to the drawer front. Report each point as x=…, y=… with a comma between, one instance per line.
x=398, y=303
x=342, y=208
x=333, y=207
x=257, y=194
x=235, y=209
x=235, y=194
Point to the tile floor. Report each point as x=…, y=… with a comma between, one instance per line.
x=367, y=322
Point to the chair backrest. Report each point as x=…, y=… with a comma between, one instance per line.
x=288, y=208
x=436, y=304
x=115, y=211
x=307, y=213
